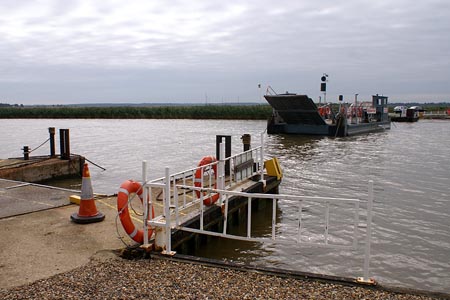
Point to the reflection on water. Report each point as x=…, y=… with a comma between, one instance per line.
x=409, y=166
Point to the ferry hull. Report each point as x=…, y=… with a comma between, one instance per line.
x=328, y=130
x=298, y=114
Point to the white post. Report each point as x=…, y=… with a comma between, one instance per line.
x=274, y=216
x=225, y=216
x=145, y=197
x=221, y=170
x=356, y=223
x=168, y=233
x=366, y=278
x=327, y=220
x=175, y=201
x=261, y=163
x=249, y=217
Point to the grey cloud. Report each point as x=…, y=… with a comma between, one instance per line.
x=204, y=46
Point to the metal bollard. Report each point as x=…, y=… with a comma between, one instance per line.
x=51, y=131
x=26, y=152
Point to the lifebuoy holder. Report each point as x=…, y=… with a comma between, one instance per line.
x=198, y=179
x=126, y=189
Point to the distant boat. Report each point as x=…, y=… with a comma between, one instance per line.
x=298, y=114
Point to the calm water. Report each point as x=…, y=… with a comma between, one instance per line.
x=409, y=165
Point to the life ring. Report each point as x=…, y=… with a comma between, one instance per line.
x=324, y=111
x=198, y=177
x=321, y=112
x=360, y=112
x=126, y=188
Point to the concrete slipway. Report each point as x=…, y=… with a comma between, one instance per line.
x=38, y=238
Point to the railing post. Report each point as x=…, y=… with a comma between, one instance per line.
x=274, y=216
x=249, y=217
x=221, y=170
x=365, y=277
x=261, y=163
x=168, y=232
x=145, y=197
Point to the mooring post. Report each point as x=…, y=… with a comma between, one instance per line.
x=26, y=152
x=51, y=131
x=246, y=141
x=64, y=143
x=67, y=140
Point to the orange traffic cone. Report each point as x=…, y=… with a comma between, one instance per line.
x=88, y=211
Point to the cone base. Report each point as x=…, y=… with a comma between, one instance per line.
x=86, y=220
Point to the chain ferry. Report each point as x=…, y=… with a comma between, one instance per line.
x=298, y=114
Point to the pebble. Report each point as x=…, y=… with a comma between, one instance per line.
x=118, y=278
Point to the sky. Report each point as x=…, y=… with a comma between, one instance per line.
x=115, y=51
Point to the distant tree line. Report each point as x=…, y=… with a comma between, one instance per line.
x=252, y=112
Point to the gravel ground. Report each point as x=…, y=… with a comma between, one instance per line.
x=110, y=277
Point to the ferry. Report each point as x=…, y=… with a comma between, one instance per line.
x=298, y=114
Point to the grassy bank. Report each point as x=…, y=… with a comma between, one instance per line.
x=246, y=112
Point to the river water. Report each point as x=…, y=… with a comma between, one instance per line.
x=409, y=165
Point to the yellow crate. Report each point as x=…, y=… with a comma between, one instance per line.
x=273, y=168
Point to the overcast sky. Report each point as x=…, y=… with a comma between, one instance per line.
x=79, y=51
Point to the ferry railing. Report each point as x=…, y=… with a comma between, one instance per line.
x=243, y=166
x=183, y=183
x=253, y=159
x=174, y=221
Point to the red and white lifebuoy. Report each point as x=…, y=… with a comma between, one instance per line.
x=360, y=111
x=198, y=179
x=126, y=188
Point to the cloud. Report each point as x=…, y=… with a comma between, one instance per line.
x=385, y=45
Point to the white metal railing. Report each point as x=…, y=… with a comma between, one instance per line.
x=176, y=187
x=251, y=160
x=436, y=112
